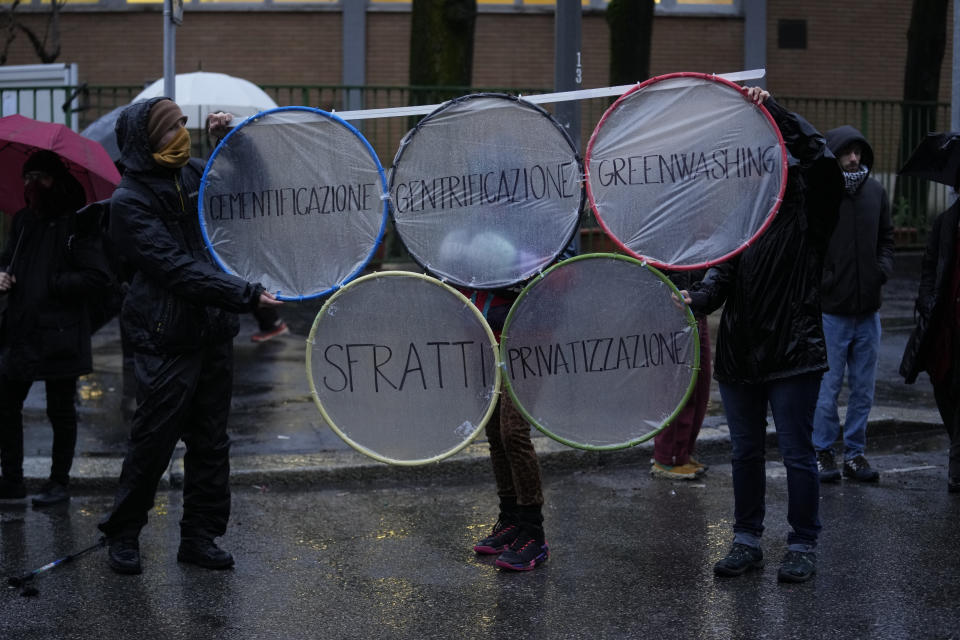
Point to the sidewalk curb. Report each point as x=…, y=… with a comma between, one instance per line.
x=328, y=468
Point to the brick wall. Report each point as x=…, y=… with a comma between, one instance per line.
x=854, y=49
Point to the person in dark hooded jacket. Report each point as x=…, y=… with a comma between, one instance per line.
x=770, y=348
x=859, y=261
x=934, y=345
x=180, y=317
x=51, y=266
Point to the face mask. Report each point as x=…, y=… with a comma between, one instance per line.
x=176, y=153
x=38, y=197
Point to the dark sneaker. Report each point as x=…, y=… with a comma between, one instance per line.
x=797, y=566
x=123, y=555
x=827, y=466
x=52, y=493
x=524, y=554
x=277, y=330
x=740, y=559
x=204, y=552
x=12, y=490
x=499, y=540
x=857, y=468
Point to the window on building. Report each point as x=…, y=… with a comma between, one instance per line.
x=792, y=34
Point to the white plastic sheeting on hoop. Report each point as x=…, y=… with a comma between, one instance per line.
x=684, y=171
x=597, y=355
x=296, y=199
x=403, y=367
x=486, y=190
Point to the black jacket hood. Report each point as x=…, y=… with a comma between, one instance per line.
x=133, y=137
x=844, y=135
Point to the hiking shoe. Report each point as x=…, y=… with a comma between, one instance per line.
x=277, y=330
x=675, y=472
x=857, y=468
x=123, y=555
x=740, y=559
x=10, y=490
x=524, y=554
x=499, y=540
x=797, y=566
x=827, y=466
x=205, y=553
x=52, y=493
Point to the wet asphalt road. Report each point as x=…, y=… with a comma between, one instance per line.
x=632, y=558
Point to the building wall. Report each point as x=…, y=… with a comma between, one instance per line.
x=854, y=49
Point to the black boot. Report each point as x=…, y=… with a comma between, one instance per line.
x=12, y=489
x=205, y=553
x=123, y=554
x=52, y=493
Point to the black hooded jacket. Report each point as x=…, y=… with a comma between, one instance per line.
x=771, y=328
x=179, y=299
x=46, y=329
x=860, y=255
x=935, y=272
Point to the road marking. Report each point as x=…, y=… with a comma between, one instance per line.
x=780, y=471
x=909, y=469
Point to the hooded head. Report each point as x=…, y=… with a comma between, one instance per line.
x=165, y=116
x=138, y=127
x=843, y=141
x=48, y=186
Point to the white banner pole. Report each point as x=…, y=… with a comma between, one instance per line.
x=542, y=98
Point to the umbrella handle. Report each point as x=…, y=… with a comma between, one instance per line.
x=16, y=250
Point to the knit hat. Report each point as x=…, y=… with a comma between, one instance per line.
x=163, y=115
x=45, y=161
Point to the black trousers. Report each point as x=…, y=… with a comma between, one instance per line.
x=182, y=396
x=62, y=412
x=947, y=394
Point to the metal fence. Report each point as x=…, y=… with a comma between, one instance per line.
x=881, y=121
x=892, y=137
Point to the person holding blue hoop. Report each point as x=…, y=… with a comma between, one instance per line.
x=180, y=316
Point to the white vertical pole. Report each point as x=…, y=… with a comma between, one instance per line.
x=955, y=76
x=169, y=51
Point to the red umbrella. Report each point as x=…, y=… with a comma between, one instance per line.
x=87, y=160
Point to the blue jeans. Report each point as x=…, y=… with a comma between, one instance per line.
x=792, y=401
x=853, y=343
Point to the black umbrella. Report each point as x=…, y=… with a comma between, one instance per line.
x=936, y=158
x=102, y=131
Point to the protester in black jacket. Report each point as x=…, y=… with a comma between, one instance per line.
x=859, y=261
x=770, y=348
x=934, y=345
x=179, y=315
x=50, y=269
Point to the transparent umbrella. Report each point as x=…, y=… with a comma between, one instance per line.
x=198, y=94
x=201, y=92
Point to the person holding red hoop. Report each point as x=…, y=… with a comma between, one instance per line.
x=771, y=351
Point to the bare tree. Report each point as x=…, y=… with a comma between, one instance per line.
x=926, y=43
x=441, y=44
x=45, y=45
x=631, y=25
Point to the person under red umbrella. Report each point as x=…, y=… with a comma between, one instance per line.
x=51, y=267
x=86, y=160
